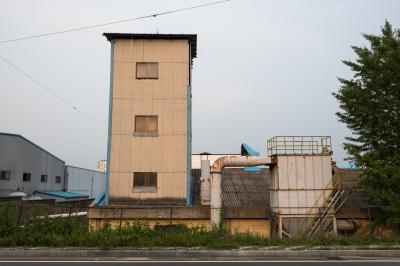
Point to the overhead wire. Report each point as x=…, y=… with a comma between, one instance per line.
x=37, y=82
x=66, y=102
x=114, y=22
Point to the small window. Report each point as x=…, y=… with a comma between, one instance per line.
x=26, y=177
x=43, y=178
x=146, y=70
x=5, y=175
x=146, y=125
x=145, y=179
x=58, y=179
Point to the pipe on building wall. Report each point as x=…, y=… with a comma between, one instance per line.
x=106, y=186
x=189, y=148
x=216, y=168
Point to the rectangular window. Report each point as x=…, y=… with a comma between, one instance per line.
x=58, y=179
x=26, y=177
x=5, y=175
x=146, y=125
x=43, y=178
x=144, y=179
x=146, y=70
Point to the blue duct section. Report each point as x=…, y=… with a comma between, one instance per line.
x=189, y=148
x=107, y=183
x=99, y=200
x=246, y=150
x=252, y=169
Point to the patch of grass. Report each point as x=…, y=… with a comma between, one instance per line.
x=42, y=231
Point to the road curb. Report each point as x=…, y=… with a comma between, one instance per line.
x=172, y=253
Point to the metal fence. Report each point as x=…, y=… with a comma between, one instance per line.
x=292, y=145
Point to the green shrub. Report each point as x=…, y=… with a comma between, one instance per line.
x=6, y=223
x=74, y=232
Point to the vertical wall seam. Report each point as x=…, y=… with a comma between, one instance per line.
x=107, y=183
x=189, y=148
x=189, y=135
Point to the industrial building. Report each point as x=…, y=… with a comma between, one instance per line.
x=153, y=175
x=149, y=141
x=101, y=166
x=27, y=169
x=85, y=181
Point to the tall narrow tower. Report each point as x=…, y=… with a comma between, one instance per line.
x=149, y=130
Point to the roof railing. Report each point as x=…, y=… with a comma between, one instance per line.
x=293, y=145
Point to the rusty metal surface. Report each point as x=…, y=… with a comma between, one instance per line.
x=240, y=189
x=296, y=145
x=238, y=161
x=192, y=38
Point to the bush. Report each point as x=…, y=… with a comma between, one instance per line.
x=6, y=224
x=41, y=231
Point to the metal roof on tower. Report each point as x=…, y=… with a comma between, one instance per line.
x=192, y=38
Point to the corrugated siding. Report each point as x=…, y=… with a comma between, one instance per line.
x=299, y=181
x=19, y=156
x=239, y=188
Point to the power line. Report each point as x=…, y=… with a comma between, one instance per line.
x=115, y=22
x=74, y=107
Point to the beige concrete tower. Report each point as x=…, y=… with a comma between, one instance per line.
x=149, y=142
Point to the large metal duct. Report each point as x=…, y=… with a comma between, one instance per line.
x=205, y=183
x=216, y=191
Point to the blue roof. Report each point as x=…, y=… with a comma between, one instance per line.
x=62, y=194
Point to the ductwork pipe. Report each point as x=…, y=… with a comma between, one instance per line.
x=205, y=183
x=216, y=191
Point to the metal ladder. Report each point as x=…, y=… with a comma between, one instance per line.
x=333, y=203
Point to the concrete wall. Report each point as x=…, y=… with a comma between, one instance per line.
x=252, y=226
x=19, y=156
x=240, y=220
x=85, y=181
x=165, y=97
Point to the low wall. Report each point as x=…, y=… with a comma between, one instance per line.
x=254, y=221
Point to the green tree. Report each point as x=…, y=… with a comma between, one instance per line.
x=370, y=107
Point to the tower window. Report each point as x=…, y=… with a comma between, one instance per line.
x=146, y=70
x=144, y=181
x=146, y=125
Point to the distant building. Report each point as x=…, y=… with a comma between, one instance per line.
x=102, y=166
x=84, y=181
x=27, y=167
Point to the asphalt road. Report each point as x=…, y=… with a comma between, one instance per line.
x=201, y=263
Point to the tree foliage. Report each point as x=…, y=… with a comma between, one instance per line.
x=370, y=107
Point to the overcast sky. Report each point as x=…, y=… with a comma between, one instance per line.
x=264, y=68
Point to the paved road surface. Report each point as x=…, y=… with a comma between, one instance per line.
x=201, y=263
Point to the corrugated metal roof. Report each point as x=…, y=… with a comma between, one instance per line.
x=240, y=189
x=61, y=194
x=192, y=38
x=30, y=142
x=245, y=189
